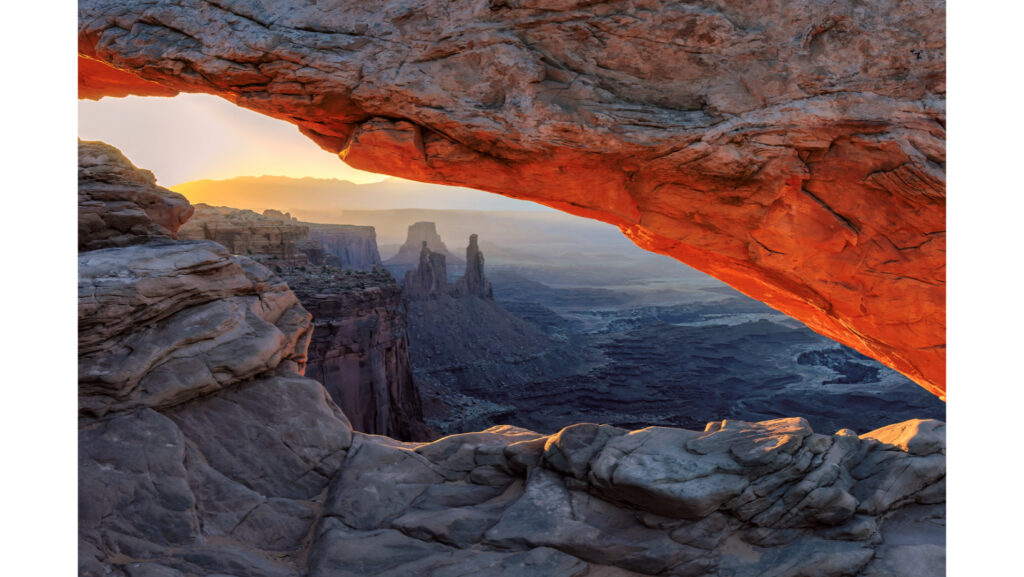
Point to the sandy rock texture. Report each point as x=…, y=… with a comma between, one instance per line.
x=120, y=204
x=795, y=150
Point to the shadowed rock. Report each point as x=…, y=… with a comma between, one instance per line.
x=429, y=278
x=473, y=282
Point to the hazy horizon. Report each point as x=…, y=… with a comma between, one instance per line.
x=290, y=194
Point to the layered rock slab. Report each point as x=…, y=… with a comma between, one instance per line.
x=201, y=450
x=647, y=502
x=270, y=240
x=120, y=204
x=796, y=152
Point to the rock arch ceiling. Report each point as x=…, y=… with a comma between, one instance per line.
x=795, y=150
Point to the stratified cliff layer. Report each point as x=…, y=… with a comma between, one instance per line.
x=359, y=349
x=229, y=462
x=794, y=150
x=277, y=238
x=120, y=204
x=346, y=246
x=269, y=240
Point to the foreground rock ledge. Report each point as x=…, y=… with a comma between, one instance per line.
x=795, y=151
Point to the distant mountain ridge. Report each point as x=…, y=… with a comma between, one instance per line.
x=286, y=193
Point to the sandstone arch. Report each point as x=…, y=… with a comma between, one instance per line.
x=794, y=150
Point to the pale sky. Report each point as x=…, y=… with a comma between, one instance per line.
x=196, y=136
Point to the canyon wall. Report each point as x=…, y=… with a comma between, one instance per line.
x=203, y=451
x=360, y=349
x=278, y=238
x=346, y=246
x=794, y=150
x=268, y=240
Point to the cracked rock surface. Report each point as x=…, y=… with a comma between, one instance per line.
x=794, y=150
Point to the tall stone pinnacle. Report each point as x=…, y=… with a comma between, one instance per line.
x=429, y=278
x=473, y=282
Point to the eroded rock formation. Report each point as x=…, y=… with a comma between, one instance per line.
x=793, y=150
x=473, y=282
x=267, y=239
x=429, y=278
x=421, y=234
x=121, y=205
x=202, y=451
x=359, y=349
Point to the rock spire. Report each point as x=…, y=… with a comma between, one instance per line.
x=473, y=282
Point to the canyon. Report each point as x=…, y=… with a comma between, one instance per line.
x=795, y=151
x=277, y=238
x=204, y=450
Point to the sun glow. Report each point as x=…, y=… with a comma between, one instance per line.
x=197, y=136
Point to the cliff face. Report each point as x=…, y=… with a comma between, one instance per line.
x=793, y=150
x=202, y=451
x=278, y=238
x=345, y=246
x=420, y=234
x=267, y=239
x=360, y=349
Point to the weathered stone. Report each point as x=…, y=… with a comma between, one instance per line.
x=465, y=452
x=164, y=323
x=652, y=469
x=121, y=205
x=378, y=483
x=280, y=436
x=570, y=450
x=267, y=240
x=796, y=152
x=429, y=278
x=917, y=437
x=133, y=490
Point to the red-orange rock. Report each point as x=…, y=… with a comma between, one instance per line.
x=795, y=150
x=97, y=79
